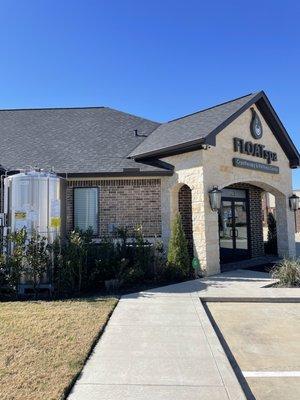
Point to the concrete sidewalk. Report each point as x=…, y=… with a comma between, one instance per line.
x=159, y=344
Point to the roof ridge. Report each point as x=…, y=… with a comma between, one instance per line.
x=81, y=108
x=52, y=108
x=136, y=116
x=215, y=106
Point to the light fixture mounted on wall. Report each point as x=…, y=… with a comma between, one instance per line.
x=294, y=202
x=294, y=206
x=215, y=196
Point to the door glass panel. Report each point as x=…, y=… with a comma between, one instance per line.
x=234, y=193
x=241, y=231
x=233, y=230
x=225, y=225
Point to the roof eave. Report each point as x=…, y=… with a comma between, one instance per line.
x=263, y=104
x=272, y=119
x=114, y=174
x=279, y=131
x=171, y=150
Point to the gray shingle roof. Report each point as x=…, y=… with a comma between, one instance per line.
x=189, y=128
x=75, y=140
x=101, y=140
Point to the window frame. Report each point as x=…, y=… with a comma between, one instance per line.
x=95, y=234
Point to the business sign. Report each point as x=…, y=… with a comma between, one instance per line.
x=253, y=149
x=257, y=166
x=256, y=128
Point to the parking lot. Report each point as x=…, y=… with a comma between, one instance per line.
x=263, y=341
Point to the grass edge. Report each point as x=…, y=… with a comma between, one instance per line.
x=70, y=386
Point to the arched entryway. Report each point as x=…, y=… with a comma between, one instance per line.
x=241, y=228
x=185, y=209
x=240, y=223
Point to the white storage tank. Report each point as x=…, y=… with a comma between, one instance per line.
x=35, y=200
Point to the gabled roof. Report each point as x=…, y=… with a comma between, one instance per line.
x=106, y=142
x=195, y=130
x=74, y=140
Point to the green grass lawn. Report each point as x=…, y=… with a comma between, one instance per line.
x=43, y=345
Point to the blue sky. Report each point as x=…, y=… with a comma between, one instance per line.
x=158, y=59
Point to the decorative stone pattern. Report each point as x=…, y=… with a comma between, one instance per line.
x=123, y=202
x=185, y=209
x=203, y=169
x=153, y=203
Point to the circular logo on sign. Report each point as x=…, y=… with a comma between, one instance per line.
x=256, y=126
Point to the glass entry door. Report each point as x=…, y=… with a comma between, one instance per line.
x=233, y=230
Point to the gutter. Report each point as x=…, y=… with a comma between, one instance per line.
x=133, y=173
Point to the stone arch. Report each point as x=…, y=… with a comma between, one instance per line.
x=284, y=216
x=263, y=185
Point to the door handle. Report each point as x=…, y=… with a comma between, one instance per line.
x=236, y=233
x=231, y=233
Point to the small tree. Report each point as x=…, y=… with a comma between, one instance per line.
x=58, y=264
x=76, y=254
x=15, y=246
x=271, y=246
x=178, y=255
x=37, y=259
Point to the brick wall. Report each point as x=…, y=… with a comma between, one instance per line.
x=256, y=218
x=123, y=202
x=185, y=209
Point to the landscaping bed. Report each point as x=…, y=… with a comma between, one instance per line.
x=43, y=345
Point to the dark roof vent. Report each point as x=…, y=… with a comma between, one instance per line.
x=139, y=134
x=131, y=169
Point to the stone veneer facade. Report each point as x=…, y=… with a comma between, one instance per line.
x=203, y=169
x=153, y=202
x=128, y=203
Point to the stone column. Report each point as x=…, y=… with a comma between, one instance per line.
x=205, y=232
x=205, y=221
x=285, y=227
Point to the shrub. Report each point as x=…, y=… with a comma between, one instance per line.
x=142, y=252
x=271, y=245
x=102, y=260
x=179, y=263
x=287, y=272
x=36, y=260
x=13, y=260
x=76, y=257
x=76, y=264
x=57, y=271
x=129, y=260
x=159, y=259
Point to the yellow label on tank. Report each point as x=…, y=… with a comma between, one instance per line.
x=20, y=214
x=55, y=222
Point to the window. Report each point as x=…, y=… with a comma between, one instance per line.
x=86, y=209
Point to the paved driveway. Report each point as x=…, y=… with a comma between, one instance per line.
x=264, y=339
x=160, y=345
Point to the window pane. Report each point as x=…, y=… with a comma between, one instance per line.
x=86, y=209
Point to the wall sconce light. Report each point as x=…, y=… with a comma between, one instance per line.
x=215, y=196
x=294, y=202
x=294, y=205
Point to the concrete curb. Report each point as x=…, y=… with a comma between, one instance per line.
x=250, y=299
x=231, y=383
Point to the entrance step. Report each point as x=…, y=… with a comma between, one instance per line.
x=263, y=264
